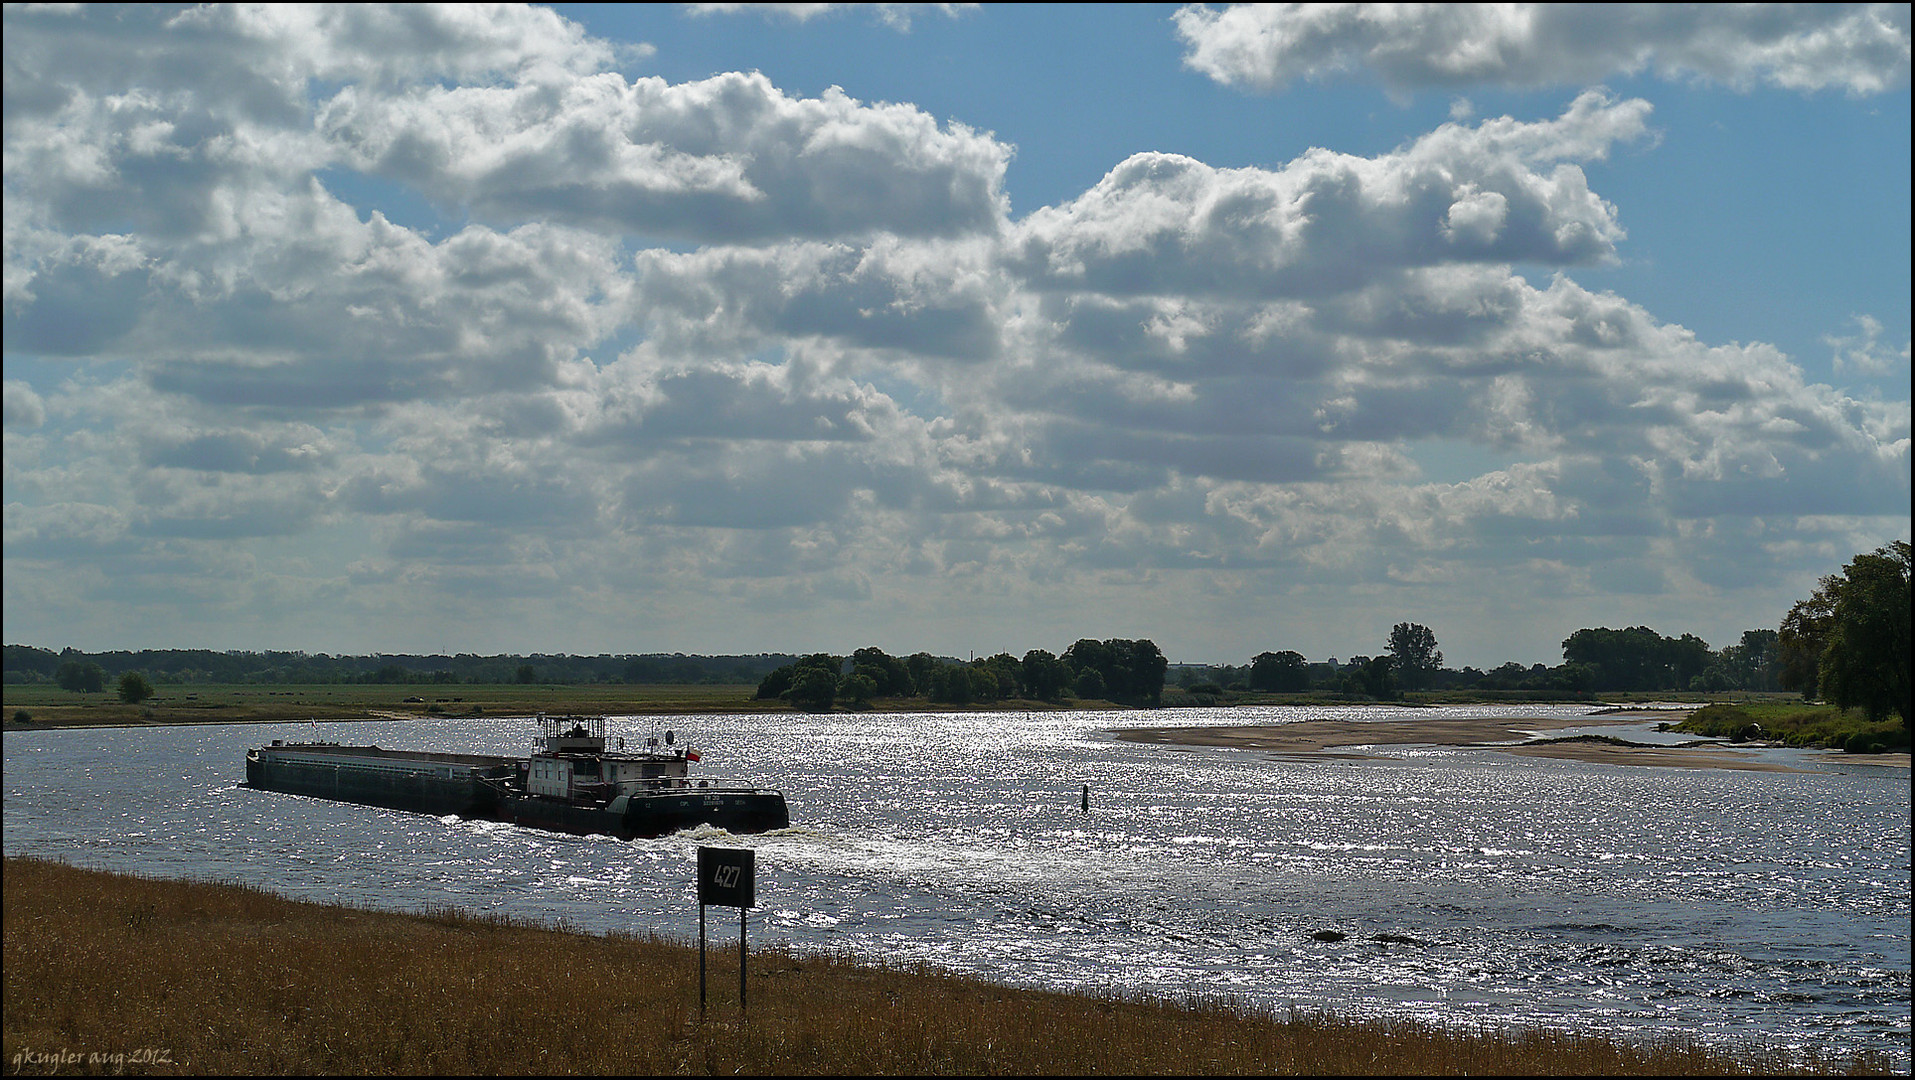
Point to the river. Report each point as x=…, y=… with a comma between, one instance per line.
x=1744, y=909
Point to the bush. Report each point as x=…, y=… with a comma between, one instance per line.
x=1718, y=720
x=1863, y=742
x=134, y=688
x=81, y=678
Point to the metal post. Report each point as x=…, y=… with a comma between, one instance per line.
x=701, y=961
x=741, y=960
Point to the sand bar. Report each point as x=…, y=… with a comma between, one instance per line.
x=1351, y=738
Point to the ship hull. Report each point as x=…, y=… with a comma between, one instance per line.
x=390, y=782
x=475, y=787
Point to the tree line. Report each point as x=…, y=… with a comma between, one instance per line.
x=1847, y=643
x=1119, y=669
x=1631, y=660
x=89, y=672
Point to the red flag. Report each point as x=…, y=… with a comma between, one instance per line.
x=691, y=755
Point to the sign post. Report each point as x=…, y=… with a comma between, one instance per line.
x=726, y=877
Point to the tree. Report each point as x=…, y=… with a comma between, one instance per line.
x=1000, y=675
x=1128, y=671
x=1637, y=658
x=1687, y=657
x=813, y=689
x=527, y=673
x=1370, y=676
x=1089, y=684
x=1804, y=634
x=134, y=688
x=81, y=678
x=963, y=684
x=857, y=688
x=1865, y=655
x=1146, y=665
x=1750, y=665
x=1414, y=656
x=888, y=674
x=776, y=682
x=1043, y=677
x=1283, y=672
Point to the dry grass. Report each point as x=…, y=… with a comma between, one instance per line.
x=229, y=979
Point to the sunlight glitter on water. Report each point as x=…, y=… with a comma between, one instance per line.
x=1464, y=886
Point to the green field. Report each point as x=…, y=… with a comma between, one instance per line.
x=228, y=703
x=48, y=706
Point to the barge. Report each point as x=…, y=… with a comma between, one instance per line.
x=569, y=783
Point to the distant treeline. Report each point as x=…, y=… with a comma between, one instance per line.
x=1120, y=669
x=1636, y=659
x=1632, y=660
x=26, y=664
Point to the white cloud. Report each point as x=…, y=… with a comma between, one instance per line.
x=897, y=16
x=932, y=301
x=852, y=379
x=1330, y=223
x=729, y=158
x=1860, y=48
x=1863, y=352
x=24, y=409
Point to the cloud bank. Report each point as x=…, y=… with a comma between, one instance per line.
x=706, y=366
x=1857, y=48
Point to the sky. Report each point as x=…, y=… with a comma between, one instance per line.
x=719, y=328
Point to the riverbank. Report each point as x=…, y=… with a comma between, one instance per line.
x=1358, y=738
x=106, y=973
x=42, y=707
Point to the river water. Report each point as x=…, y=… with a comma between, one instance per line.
x=1745, y=909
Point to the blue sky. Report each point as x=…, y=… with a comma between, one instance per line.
x=624, y=328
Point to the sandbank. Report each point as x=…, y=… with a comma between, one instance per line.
x=1509, y=735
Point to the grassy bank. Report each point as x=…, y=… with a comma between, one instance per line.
x=1798, y=724
x=44, y=705
x=184, y=977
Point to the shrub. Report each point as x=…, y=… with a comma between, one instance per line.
x=1864, y=742
x=134, y=688
x=1717, y=720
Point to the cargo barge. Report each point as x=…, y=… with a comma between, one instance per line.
x=569, y=783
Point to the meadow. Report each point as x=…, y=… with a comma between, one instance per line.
x=107, y=973
x=47, y=705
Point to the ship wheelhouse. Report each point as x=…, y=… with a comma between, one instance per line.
x=570, y=762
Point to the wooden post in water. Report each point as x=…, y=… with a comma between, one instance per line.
x=1086, y=798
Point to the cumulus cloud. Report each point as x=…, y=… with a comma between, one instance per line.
x=938, y=301
x=1330, y=223
x=24, y=409
x=850, y=377
x=1859, y=48
x=1863, y=352
x=729, y=158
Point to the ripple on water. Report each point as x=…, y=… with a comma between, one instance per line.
x=1576, y=896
